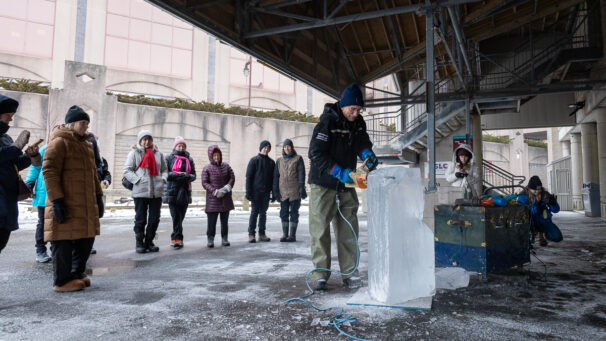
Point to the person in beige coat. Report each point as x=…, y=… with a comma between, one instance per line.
x=74, y=200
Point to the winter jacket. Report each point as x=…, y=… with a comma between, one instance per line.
x=540, y=210
x=335, y=141
x=70, y=173
x=178, y=181
x=98, y=159
x=471, y=169
x=144, y=185
x=10, y=156
x=216, y=176
x=259, y=175
x=289, y=178
x=35, y=175
x=104, y=173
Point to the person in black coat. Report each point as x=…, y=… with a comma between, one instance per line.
x=177, y=191
x=259, y=183
x=12, y=160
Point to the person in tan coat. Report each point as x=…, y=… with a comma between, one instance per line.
x=74, y=200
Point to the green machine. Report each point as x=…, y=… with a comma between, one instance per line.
x=483, y=239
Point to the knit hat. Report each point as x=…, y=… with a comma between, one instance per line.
x=351, y=96
x=75, y=114
x=463, y=151
x=263, y=144
x=535, y=183
x=179, y=140
x=287, y=142
x=8, y=105
x=142, y=134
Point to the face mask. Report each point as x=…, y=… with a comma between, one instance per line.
x=3, y=127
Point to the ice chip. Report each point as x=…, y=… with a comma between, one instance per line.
x=452, y=278
x=401, y=259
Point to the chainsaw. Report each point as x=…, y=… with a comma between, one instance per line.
x=360, y=175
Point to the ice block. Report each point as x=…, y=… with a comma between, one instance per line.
x=401, y=260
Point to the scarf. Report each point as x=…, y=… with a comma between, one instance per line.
x=149, y=162
x=179, y=162
x=288, y=156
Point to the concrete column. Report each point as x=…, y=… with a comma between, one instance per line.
x=601, y=131
x=477, y=148
x=565, y=148
x=589, y=142
x=576, y=174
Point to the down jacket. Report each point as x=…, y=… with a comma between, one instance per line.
x=10, y=156
x=70, y=173
x=215, y=176
x=35, y=175
x=178, y=181
x=144, y=185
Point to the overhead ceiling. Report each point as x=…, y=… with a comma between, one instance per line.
x=332, y=43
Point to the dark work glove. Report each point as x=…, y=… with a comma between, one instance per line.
x=459, y=175
x=302, y=192
x=30, y=185
x=553, y=200
x=59, y=210
x=100, y=205
x=22, y=139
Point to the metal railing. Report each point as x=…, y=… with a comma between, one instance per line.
x=495, y=176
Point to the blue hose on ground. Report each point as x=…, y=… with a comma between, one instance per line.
x=341, y=317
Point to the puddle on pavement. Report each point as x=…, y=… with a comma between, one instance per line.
x=105, y=270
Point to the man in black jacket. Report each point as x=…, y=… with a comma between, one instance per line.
x=337, y=141
x=259, y=183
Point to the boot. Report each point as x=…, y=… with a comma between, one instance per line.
x=284, y=232
x=140, y=246
x=149, y=243
x=225, y=242
x=264, y=238
x=73, y=285
x=251, y=238
x=293, y=232
x=353, y=282
x=542, y=240
x=210, y=242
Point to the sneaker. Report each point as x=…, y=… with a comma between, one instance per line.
x=251, y=239
x=43, y=257
x=73, y=285
x=173, y=243
x=179, y=244
x=86, y=281
x=352, y=282
x=321, y=285
x=93, y=251
x=264, y=238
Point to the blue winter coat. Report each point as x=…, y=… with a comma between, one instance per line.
x=540, y=211
x=10, y=157
x=35, y=175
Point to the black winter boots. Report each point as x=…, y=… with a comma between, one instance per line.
x=139, y=245
x=224, y=241
x=293, y=233
x=284, y=232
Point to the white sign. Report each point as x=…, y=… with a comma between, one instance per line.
x=441, y=167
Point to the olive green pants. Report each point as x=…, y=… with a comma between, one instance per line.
x=323, y=211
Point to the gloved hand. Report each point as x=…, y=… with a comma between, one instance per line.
x=248, y=196
x=372, y=162
x=341, y=173
x=22, y=139
x=460, y=175
x=100, y=206
x=553, y=200
x=302, y=192
x=59, y=210
x=30, y=185
x=226, y=188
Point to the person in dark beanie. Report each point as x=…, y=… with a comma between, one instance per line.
x=259, y=183
x=218, y=180
x=337, y=141
x=289, y=189
x=177, y=192
x=146, y=169
x=74, y=200
x=541, y=204
x=12, y=160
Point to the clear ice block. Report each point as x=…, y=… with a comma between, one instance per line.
x=401, y=259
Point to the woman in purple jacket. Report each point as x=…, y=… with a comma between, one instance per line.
x=217, y=179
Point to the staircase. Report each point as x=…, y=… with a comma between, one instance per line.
x=495, y=176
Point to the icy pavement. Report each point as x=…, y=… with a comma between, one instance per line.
x=237, y=292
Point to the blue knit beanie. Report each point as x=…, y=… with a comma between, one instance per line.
x=263, y=144
x=351, y=96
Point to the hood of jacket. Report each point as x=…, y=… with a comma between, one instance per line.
x=466, y=147
x=69, y=134
x=211, y=150
x=141, y=150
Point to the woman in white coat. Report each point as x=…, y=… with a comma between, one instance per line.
x=464, y=172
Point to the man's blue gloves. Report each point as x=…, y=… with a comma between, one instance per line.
x=341, y=173
x=372, y=162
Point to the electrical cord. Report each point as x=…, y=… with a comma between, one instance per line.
x=341, y=317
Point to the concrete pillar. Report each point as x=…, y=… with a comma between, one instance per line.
x=565, y=148
x=589, y=142
x=601, y=131
x=477, y=148
x=576, y=174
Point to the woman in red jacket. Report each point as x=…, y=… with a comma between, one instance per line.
x=218, y=180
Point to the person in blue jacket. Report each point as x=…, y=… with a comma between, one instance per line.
x=35, y=182
x=542, y=205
